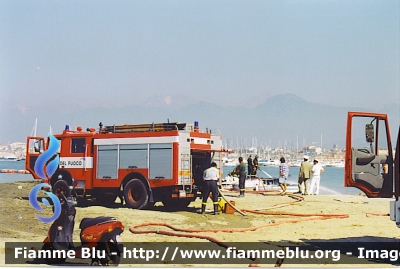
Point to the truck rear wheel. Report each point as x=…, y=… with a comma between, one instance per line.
x=135, y=194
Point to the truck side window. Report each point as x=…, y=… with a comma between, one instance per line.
x=78, y=145
x=36, y=146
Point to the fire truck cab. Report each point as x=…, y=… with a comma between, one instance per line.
x=143, y=163
x=370, y=164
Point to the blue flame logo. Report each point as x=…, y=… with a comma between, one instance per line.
x=47, y=160
x=51, y=167
x=34, y=203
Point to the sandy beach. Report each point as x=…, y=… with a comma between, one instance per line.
x=325, y=217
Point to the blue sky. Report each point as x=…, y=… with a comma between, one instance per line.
x=117, y=53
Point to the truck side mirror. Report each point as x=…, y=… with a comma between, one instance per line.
x=369, y=133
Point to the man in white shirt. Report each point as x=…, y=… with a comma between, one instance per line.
x=316, y=177
x=210, y=176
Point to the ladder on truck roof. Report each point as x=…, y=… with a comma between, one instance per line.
x=151, y=127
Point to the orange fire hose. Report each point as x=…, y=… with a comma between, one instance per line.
x=189, y=233
x=377, y=214
x=134, y=229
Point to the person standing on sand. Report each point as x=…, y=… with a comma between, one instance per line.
x=314, y=184
x=241, y=172
x=304, y=176
x=256, y=167
x=211, y=176
x=250, y=166
x=283, y=174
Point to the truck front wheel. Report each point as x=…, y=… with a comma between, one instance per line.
x=61, y=188
x=135, y=194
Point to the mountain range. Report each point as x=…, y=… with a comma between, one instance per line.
x=281, y=121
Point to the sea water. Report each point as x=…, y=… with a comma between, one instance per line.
x=16, y=165
x=332, y=180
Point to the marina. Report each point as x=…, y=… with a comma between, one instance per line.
x=331, y=179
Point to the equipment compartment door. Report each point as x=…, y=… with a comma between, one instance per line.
x=107, y=162
x=160, y=161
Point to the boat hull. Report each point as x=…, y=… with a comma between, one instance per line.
x=261, y=184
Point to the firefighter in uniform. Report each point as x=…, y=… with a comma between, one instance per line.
x=256, y=166
x=250, y=166
x=241, y=172
x=210, y=176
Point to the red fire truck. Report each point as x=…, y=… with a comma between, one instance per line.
x=143, y=163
